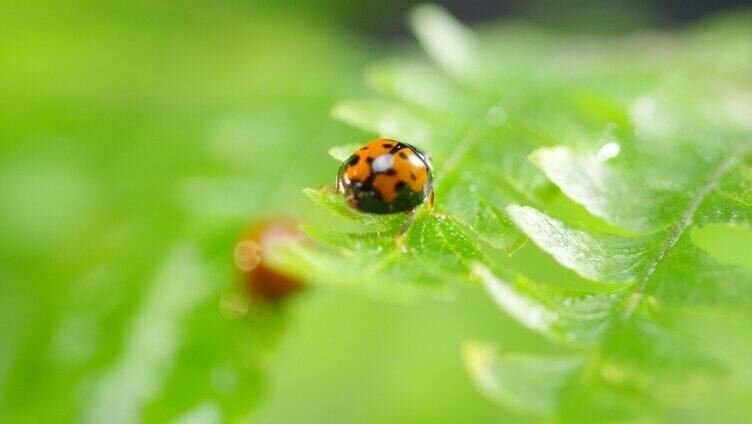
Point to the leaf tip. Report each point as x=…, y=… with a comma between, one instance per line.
x=342, y=152
x=447, y=40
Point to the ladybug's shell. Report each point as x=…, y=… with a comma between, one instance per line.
x=385, y=176
x=262, y=281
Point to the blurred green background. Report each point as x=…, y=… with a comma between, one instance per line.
x=138, y=140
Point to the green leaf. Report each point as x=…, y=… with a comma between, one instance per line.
x=600, y=257
x=532, y=384
x=731, y=201
x=487, y=219
x=449, y=43
x=618, y=196
x=690, y=276
x=605, y=155
x=434, y=252
x=567, y=316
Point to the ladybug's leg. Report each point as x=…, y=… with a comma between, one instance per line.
x=405, y=226
x=430, y=202
x=431, y=198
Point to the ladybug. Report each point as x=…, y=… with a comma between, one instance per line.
x=262, y=281
x=386, y=176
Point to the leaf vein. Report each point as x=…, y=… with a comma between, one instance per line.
x=686, y=219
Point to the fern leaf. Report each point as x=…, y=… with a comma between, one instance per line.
x=649, y=145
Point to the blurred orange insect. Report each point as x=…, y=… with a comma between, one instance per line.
x=262, y=281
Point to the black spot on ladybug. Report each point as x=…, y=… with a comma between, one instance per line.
x=387, y=145
x=403, y=155
x=399, y=186
x=369, y=160
x=413, y=177
x=390, y=171
x=354, y=160
x=364, y=148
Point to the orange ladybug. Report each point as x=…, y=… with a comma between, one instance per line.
x=386, y=176
x=262, y=281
